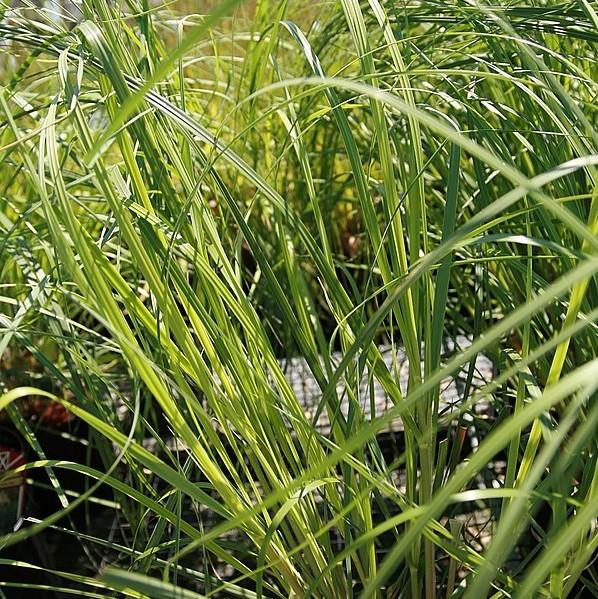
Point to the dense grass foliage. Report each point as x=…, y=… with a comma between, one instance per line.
x=190, y=193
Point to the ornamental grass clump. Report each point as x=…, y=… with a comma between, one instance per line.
x=193, y=198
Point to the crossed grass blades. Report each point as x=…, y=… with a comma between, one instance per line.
x=190, y=193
